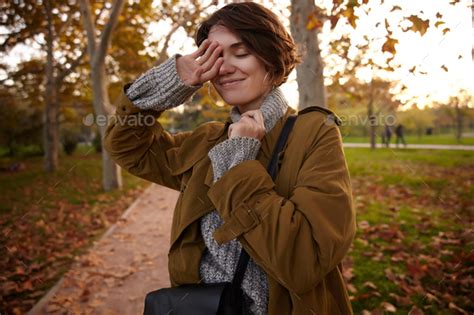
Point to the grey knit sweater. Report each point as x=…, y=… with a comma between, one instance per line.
x=161, y=88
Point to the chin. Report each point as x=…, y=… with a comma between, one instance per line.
x=234, y=100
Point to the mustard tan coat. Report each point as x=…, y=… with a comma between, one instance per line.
x=297, y=229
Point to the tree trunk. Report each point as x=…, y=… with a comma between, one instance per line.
x=372, y=120
x=458, y=122
x=51, y=128
x=51, y=110
x=309, y=74
x=111, y=173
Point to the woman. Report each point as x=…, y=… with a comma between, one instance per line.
x=296, y=230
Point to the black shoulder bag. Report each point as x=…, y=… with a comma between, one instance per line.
x=225, y=298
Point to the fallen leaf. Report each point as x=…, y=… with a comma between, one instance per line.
x=388, y=307
x=453, y=306
x=370, y=285
x=415, y=311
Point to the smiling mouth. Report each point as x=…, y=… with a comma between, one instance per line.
x=231, y=83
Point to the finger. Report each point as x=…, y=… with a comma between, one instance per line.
x=209, y=51
x=198, y=73
x=256, y=116
x=201, y=49
x=209, y=61
x=209, y=75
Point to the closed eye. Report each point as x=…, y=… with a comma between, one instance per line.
x=242, y=55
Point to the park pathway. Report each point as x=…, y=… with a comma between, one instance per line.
x=415, y=146
x=126, y=263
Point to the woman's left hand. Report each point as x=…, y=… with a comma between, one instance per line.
x=250, y=125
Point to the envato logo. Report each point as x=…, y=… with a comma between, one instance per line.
x=362, y=120
x=137, y=120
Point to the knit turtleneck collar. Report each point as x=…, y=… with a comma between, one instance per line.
x=274, y=106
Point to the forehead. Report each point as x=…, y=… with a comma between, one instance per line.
x=224, y=36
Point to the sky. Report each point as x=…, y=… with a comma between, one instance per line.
x=428, y=53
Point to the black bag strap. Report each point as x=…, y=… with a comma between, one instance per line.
x=272, y=170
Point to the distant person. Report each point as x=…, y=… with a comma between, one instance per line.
x=386, y=136
x=429, y=131
x=399, y=134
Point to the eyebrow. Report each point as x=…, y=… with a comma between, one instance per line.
x=237, y=45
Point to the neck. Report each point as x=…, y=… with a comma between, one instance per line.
x=256, y=104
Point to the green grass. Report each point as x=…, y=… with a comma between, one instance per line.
x=413, y=139
x=363, y=161
x=420, y=193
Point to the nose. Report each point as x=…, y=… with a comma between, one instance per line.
x=226, y=67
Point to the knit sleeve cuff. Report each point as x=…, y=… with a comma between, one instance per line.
x=232, y=152
x=160, y=87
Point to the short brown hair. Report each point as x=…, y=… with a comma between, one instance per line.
x=262, y=32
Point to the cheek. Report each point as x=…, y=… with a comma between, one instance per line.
x=252, y=66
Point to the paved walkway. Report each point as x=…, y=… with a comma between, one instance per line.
x=415, y=146
x=127, y=262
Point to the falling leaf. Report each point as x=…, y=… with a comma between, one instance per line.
x=412, y=70
x=439, y=23
x=351, y=17
x=389, y=45
x=446, y=30
x=396, y=7
x=334, y=19
x=444, y=68
x=313, y=22
x=439, y=15
x=419, y=25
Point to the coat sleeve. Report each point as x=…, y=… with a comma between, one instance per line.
x=298, y=240
x=138, y=143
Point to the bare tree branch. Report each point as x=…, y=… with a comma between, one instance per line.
x=89, y=26
x=162, y=56
x=107, y=32
x=66, y=23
